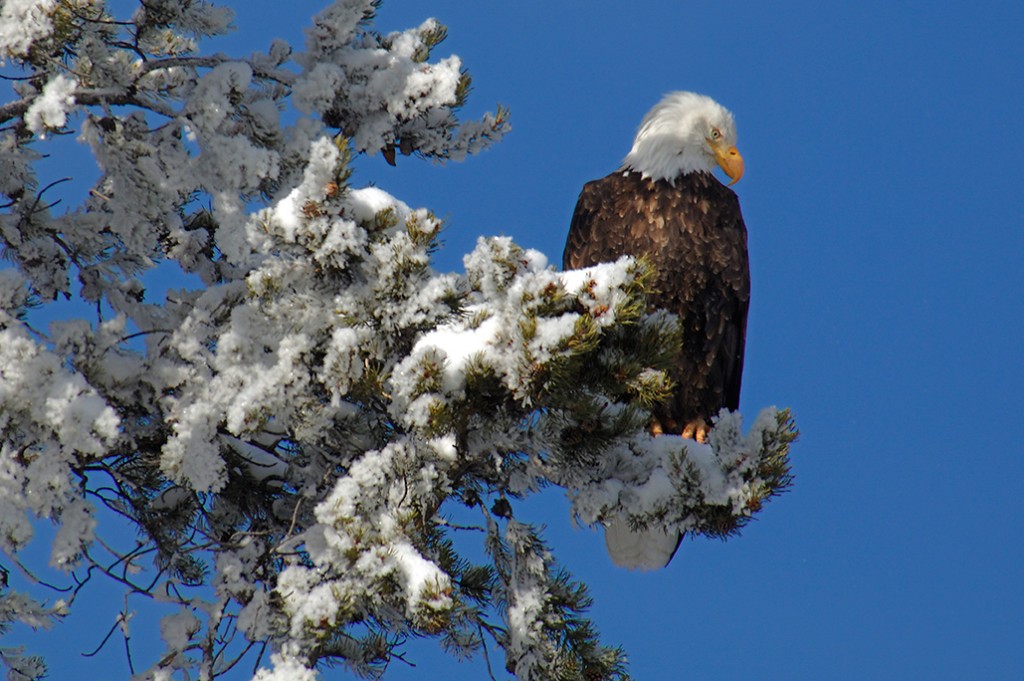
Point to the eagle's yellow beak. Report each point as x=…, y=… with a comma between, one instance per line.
x=730, y=161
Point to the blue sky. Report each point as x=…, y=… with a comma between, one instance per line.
x=882, y=195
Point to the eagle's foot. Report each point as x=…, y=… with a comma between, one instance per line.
x=696, y=429
x=665, y=426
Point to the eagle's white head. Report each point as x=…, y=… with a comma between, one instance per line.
x=685, y=133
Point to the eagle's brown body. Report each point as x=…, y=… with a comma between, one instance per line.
x=692, y=232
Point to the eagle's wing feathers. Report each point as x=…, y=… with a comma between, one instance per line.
x=595, y=233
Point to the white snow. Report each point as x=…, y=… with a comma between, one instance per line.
x=458, y=346
x=600, y=287
x=260, y=464
x=22, y=22
x=49, y=111
x=422, y=578
x=76, y=532
x=285, y=668
x=177, y=629
x=365, y=203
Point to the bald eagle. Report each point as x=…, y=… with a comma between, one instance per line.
x=666, y=204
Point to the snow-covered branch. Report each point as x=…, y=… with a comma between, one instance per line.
x=287, y=437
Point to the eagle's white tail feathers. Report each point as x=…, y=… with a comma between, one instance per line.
x=649, y=549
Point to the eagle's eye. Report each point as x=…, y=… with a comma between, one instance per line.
x=715, y=134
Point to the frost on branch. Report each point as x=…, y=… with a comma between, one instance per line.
x=291, y=437
x=53, y=422
x=392, y=97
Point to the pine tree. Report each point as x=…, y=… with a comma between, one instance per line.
x=288, y=437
